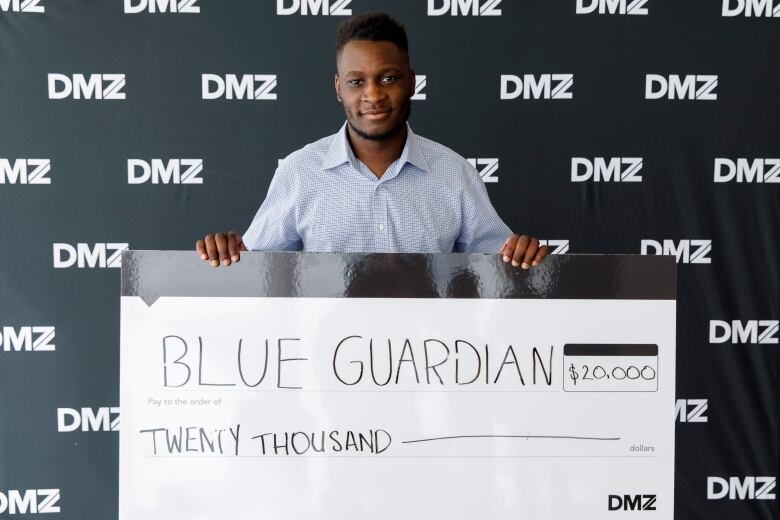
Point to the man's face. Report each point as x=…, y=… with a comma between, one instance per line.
x=375, y=84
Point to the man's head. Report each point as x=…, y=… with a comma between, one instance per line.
x=374, y=82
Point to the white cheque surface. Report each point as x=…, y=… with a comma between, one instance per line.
x=303, y=408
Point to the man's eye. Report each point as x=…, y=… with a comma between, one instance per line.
x=389, y=79
x=355, y=82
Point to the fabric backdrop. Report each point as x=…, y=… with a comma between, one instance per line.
x=602, y=126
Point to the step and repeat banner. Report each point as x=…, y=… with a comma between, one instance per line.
x=643, y=127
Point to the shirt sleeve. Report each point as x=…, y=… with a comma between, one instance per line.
x=274, y=226
x=482, y=230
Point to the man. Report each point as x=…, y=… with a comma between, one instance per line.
x=375, y=186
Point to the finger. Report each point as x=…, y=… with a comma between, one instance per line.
x=530, y=253
x=236, y=254
x=222, y=248
x=200, y=247
x=232, y=247
x=211, y=249
x=503, y=247
x=509, y=247
x=522, y=245
x=540, y=255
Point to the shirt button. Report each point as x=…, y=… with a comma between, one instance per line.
x=381, y=227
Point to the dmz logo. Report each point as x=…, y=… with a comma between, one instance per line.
x=747, y=488
x=632, y=502
x=94, y=86
x=691, y=410
x=104, y=419
x=173, y=171
x=756, y=8
x=249, y=86
x=757, y=170
x=464, y=7
x=314, y=7
x=22, y=6
x=25, y=171
x=557, y=247
x=685, y=251
x=741, y=332
x=162, y=6
x=88, y=256
x=694, y=87
x=27, y=339
x=419, y=88
x=612, y=6
x=537, y=87
x=486, y=167
x=29, y=501
x=614, y=169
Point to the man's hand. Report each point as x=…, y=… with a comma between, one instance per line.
x=523, y=251
x=221, y=248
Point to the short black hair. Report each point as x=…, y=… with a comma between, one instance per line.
x=375, y=27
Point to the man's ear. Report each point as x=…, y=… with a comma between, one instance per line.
x=412, y=79
x=336, y=86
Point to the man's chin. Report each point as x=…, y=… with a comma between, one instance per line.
x=377, y=135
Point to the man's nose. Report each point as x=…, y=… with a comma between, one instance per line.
x=373, y=92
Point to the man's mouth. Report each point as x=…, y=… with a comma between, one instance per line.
x=374, y=115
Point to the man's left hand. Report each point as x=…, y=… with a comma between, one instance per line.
x=523, y=251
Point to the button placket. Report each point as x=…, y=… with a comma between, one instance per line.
x=379, y=209
x=380, y=217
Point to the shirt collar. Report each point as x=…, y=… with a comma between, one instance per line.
x=340, y=152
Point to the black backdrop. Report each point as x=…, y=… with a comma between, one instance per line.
x=697, y=161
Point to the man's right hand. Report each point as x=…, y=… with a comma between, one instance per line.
x=221, y=248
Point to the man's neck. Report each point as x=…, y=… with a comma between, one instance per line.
x=377, y=155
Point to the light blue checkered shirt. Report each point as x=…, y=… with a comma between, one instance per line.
x=430, y=200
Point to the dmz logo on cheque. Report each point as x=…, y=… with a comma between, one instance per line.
x=88, y=255
x=25, y=171
x=29, y=501
x=22, y=6
x=27, y=339
x=632, y=502
x=247, y=86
